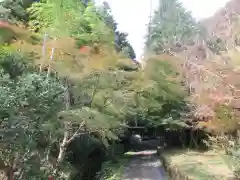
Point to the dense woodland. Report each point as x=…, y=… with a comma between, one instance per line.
x=70, y=89
x=208, y=53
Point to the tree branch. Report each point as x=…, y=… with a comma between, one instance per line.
x=107, y=103
x=63, y=145
x=76, y=133
x=93, y=94
x=66, y=140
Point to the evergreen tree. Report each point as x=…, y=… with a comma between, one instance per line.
x=121, y=42
x=14, y=10
x=172, y=27
x=84, y=105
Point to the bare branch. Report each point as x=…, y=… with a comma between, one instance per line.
x=93, y=94
x=76, y=133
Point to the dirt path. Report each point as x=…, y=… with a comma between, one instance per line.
x=144, y=165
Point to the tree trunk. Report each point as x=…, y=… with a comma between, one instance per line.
x=63, y=144
x=10, y=173
x=61, y=153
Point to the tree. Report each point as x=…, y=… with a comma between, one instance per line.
x=216, y=45
x=172, y=27
x=95, y=105
x=45, y=115
x=62, y=19
x=121, y=42
x=28, y=103
x=15, y=10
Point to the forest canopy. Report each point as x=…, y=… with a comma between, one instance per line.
x=56, y=102
x=171, y=27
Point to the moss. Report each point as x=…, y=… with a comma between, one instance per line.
x=173, y=172
x=191, y=165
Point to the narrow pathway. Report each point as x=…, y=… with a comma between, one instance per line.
x=144, y=165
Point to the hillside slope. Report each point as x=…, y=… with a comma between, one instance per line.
x=225, y=22
x=213, y=79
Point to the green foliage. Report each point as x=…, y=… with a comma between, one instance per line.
x=42, y=115
x=216, y=45
x=172, y=27
x=13, y=63
x=28, y=104
x=160, y=101
x=121, y=42
x=14, y=10
x=225, y=113
x=5, y=13
x=69, y=18
x=113, y=171
x=33, y=115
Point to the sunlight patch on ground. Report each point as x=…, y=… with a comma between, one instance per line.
x=150, y=152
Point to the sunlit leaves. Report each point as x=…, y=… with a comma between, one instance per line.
x=69, y=18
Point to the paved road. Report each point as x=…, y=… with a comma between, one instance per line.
x=144, y=165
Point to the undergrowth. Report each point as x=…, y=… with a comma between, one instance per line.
x=113, y=170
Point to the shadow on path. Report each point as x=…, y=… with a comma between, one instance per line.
x=144, y=165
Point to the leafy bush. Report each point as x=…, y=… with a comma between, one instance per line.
x=45, y=117
x=230, y=144
x=112, y=171
x=216, y=45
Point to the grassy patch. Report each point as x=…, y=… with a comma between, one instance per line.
x=200, y=165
